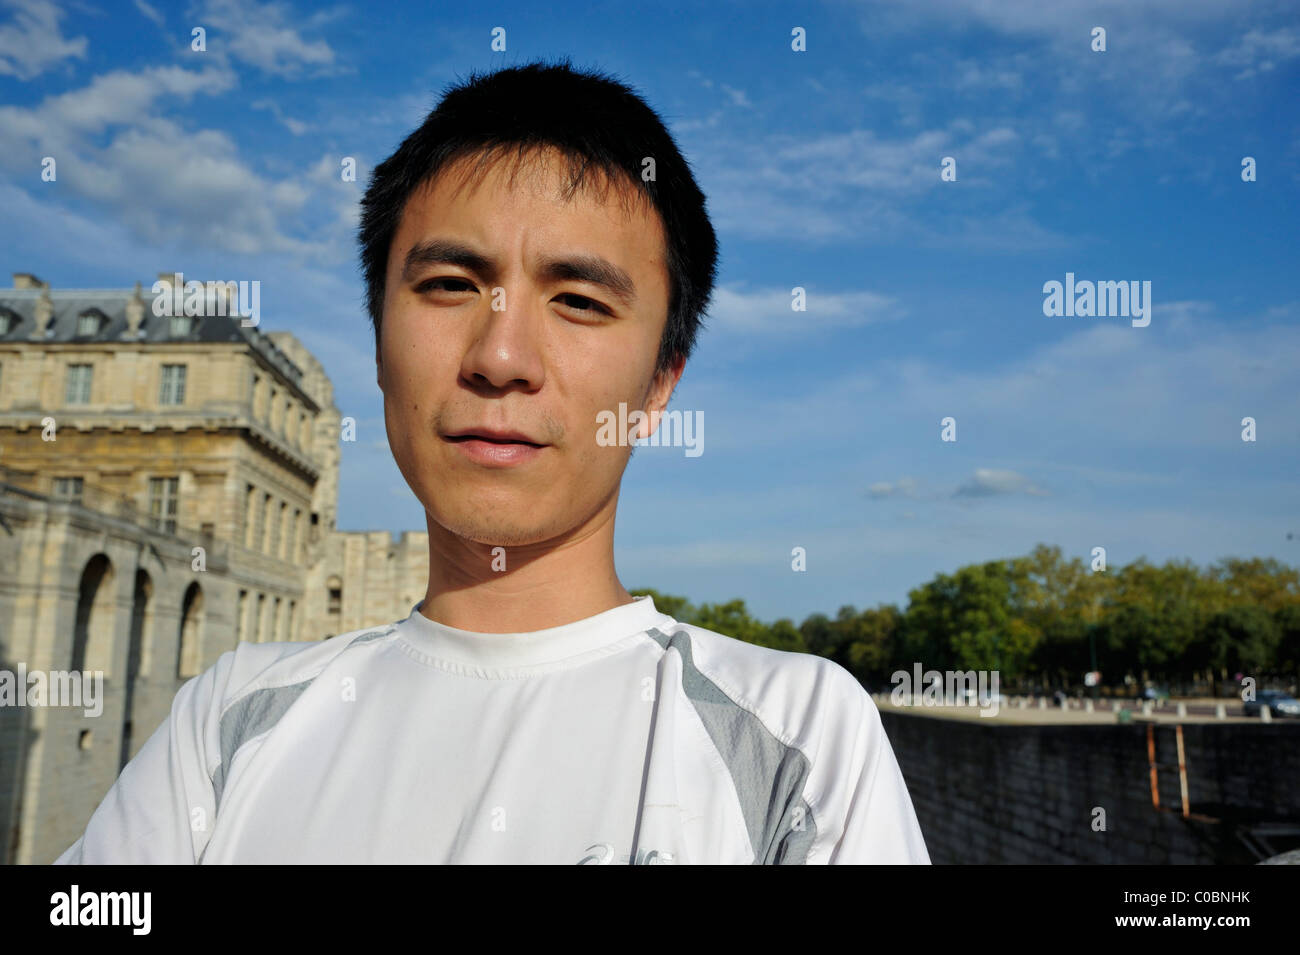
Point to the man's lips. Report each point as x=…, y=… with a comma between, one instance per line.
x=495, y=437
x=496, y=449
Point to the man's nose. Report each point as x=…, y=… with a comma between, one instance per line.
x=506, y=351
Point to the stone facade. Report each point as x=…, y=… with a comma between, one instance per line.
x=168, y=488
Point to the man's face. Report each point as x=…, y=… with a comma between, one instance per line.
x=504, y=334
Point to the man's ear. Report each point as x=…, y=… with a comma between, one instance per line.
x=661, y=389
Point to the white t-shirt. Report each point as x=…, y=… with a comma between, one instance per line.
x=624, y=737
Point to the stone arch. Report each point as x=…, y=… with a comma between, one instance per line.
x=136, y=656
x=92, y=636
x=140, y=642
x=191, y=632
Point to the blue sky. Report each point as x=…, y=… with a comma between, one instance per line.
x=822, y=170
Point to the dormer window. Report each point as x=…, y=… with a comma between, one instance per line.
x=9, y=320
x=181, y=325
x=91, y=322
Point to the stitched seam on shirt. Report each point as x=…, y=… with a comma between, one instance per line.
x=815, y=802
x=714, y=756
x=740, y=700
x=225, y=789
x=281, y=683
x=481, y=671
x=296, y=678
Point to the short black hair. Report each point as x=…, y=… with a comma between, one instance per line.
x=593, y=120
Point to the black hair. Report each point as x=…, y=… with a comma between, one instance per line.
x=594, y=121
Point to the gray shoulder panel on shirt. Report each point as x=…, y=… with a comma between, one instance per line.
x=251, y=716
x=259, y=711
x=769, y=776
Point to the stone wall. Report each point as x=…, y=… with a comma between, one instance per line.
x=1006, y=793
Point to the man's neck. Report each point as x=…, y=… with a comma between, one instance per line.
x=525, y=588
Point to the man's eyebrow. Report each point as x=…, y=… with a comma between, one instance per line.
x=444, y=252
x=593, y=269
x=577, y=268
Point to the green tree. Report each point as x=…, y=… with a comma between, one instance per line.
x=1287, y=657
x=965, y=622
x=876, y=650
x=1240, y=639
x=679, y=608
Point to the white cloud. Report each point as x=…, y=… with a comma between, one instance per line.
x=1061, y=18
x=150, y=12
x=1101, y=390
x=988, y=482
x=265, y=35
x=767, y=311
x=738, y=97
x=861, y=186
x=115, y=99
x=903, y=487
x=1164, y=48
x=33, y=42
x=295, y=126
x=1259, y=51
x=167, y=182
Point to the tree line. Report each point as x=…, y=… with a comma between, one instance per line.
x=1043, y=621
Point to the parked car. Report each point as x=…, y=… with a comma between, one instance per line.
x=1153, y=693
x=1278, y=703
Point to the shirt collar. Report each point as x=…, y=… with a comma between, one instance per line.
x=533, y=648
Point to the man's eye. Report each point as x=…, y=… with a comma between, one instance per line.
x=428, y=285
x=585, y=304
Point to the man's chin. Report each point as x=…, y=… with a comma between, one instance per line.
x=493, y=533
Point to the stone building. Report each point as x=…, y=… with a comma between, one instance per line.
x=168, y=488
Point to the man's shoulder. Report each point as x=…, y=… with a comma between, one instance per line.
x=797, y=696
x=253, y=666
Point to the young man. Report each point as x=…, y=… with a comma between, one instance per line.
x=536, y=253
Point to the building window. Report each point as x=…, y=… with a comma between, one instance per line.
x=270, y=410
x=250, y=503
x=335, y=604
x=241, y=623
x=172, y=391
x=293, y=608
x=78, y=390
x=261, y=614
x=293, y=535
x=181, y=325
x=274, y=549
x=68, y=488
x=163, y=492
x=90, y=322
x=263, y=525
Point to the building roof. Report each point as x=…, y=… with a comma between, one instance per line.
x=111, y=304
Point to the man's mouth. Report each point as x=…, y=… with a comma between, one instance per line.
x=489, y=448
x=495, y=437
